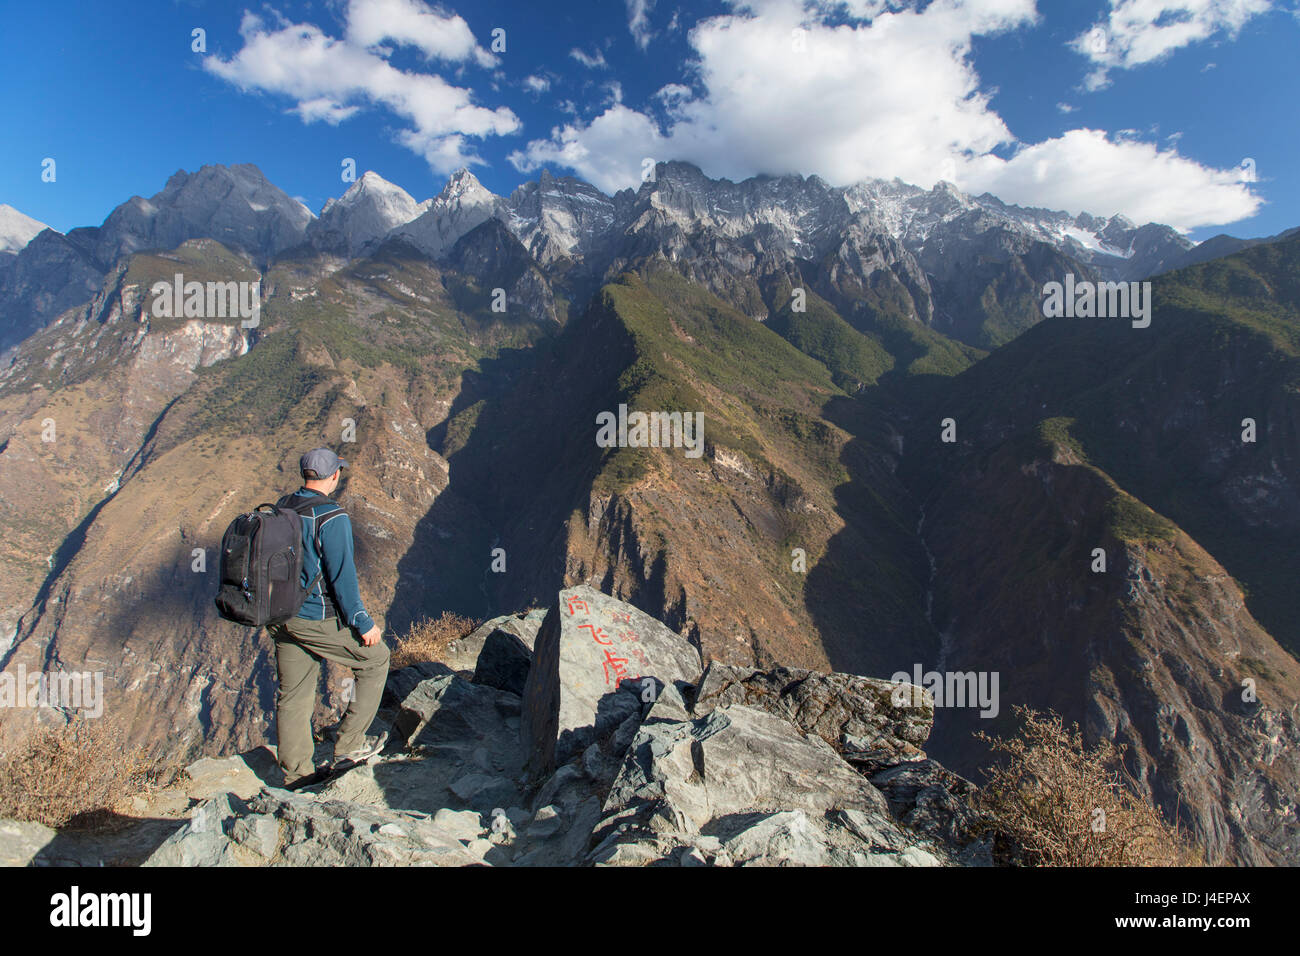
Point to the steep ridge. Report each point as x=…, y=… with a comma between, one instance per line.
x=1162, y=410
x=78, y=401
x=17, y=229
x=705, y=543
x=48, y=276
x=1157, y=651
x=372, y=352
x=1056, y=434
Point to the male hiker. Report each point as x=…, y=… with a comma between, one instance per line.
x=331, y=625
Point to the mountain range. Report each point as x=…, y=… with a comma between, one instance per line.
x=906, y=464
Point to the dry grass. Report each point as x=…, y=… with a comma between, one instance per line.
x=76, y=775
x=428, y=640
x=1053, y=803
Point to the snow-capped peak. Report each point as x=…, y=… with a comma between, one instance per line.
x=462, y=185
x=463, y=204
x=370, y=209
x=16, y=229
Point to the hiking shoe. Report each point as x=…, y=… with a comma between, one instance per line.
x=368, y=751
x=321, y=774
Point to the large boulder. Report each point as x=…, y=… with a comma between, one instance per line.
x=930, y=799
x=504, y=662
x=863, y=718
x=595, y=661
x=740, y=785
x=453, y=744
x=463, y=654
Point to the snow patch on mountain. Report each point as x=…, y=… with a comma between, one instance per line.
x=16, y=229
x=370, y=209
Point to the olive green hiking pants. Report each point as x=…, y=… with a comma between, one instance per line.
x=300, y=646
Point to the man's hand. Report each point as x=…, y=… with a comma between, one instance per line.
x=371, y=637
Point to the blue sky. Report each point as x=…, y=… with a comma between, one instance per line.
x=1101, y=105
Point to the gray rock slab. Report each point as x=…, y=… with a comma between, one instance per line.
x=594, y=660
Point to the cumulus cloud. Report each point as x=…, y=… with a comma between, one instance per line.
x=409, y=22
x=1086, y=170
x=786, y=86
x=332, y=79
x=536, y=84
x=1136, y=32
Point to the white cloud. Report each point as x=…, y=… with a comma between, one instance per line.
x=333, y=79
x=1085, y=170
x=323, y=109
x=893, y=94
x=536, y=84
x=435, y=33
x=673, y=96
x=592, y=61
x=1136, y=32
x=638, y=21
x=603, y=150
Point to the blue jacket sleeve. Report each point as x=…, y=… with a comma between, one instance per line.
x=340, y=570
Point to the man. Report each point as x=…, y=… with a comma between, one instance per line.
x=331, y=625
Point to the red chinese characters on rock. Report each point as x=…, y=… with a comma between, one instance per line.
x=597, y=634
x=622, y=616
x=614, y=667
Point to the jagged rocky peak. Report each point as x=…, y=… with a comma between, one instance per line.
x=371, y=208
x=463, y=187
x=17, y=229
x=795, y=210
x=463, y=204
x=236, y=205
x=559, y=216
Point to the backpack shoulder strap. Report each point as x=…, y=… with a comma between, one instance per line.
x=310, y=503
x=305, y=506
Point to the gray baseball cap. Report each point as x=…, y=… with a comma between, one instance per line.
x=320, y=463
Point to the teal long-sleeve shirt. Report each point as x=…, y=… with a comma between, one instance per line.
x=340, y=569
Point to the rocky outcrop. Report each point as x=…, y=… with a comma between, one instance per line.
x=595, y=661
x=726, y=783
x=864, y=719
x=740, y=785
x=463, y=654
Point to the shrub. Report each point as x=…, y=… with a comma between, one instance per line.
x=1051, y=802
x=428, y=640
x=76, y=775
